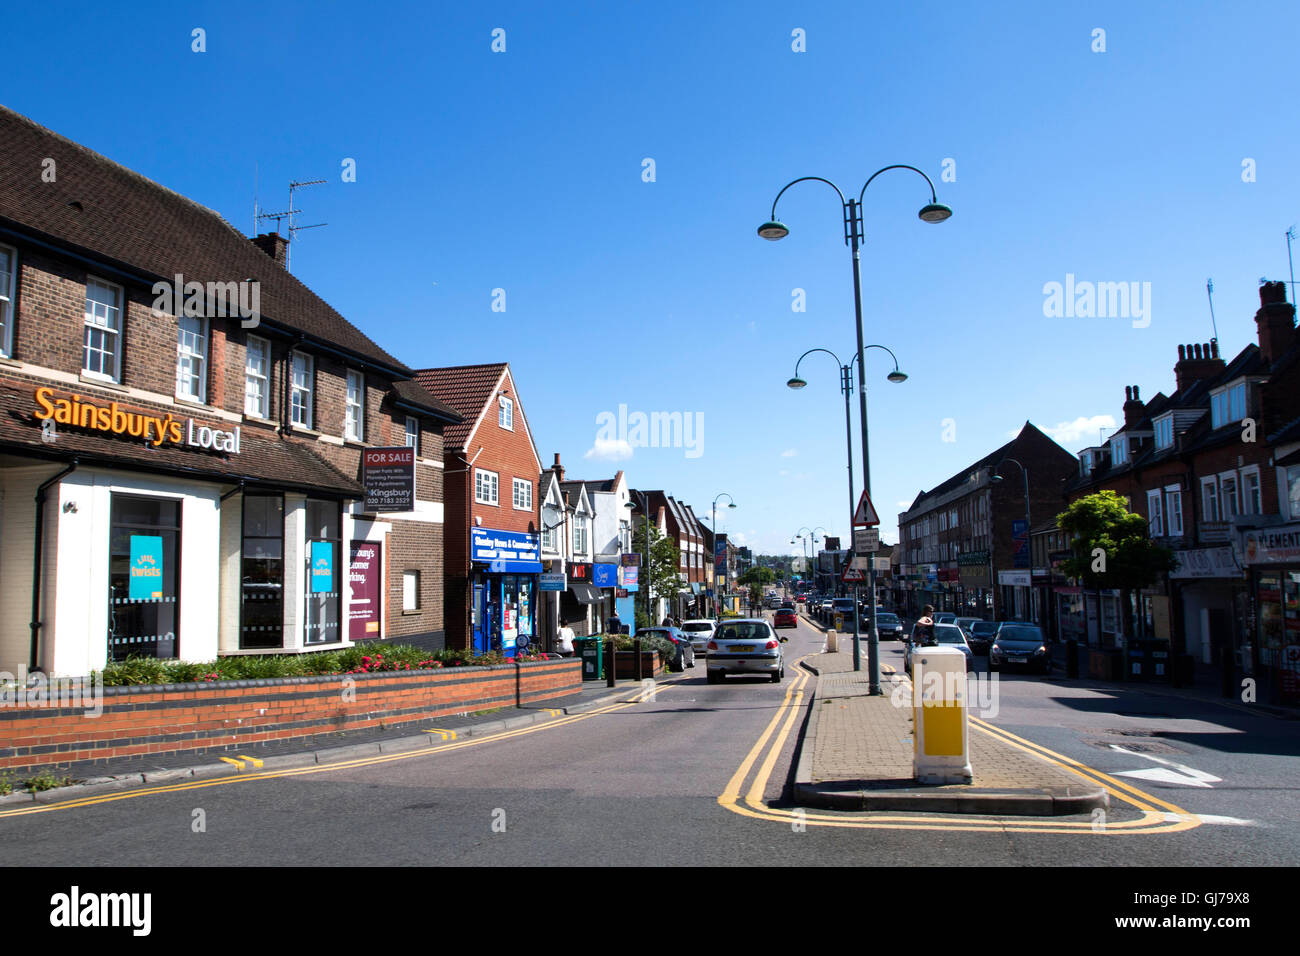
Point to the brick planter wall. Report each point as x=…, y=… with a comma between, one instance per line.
x=227, y=715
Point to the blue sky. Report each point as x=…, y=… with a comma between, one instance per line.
x=524, y=171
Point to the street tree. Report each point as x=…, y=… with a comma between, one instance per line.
x=660, y=580
x=756, y=579
x=1112, y=548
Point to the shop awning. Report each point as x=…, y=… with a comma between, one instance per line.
x=585, y=593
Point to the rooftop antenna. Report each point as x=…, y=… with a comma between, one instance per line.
x=1290, y=235
x=1209, y=291
x=294, y=230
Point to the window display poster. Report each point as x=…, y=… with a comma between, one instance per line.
x=364, y=568
x=322, y=567
x=146, y=567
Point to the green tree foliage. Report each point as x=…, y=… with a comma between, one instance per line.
x=660, y=579
x=756, y=579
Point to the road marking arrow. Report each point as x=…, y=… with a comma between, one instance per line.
x=1181, y=773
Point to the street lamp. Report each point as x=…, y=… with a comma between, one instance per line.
x=717, y=591
x=773, y=229
x=995, y=478
x=846, y=386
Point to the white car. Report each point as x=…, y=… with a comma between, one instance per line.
x=698, y=632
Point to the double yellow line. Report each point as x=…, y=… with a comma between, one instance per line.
x=242, y=778
x=1170, y=819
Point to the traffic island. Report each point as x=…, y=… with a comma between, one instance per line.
x=858, y=752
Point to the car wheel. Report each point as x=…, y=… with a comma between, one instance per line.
x=993, y=668
x=714, y=677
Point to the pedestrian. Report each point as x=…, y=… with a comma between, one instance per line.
x=614, y=625
x=667, y=621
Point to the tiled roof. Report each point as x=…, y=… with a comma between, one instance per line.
x=264, y=456
x=466, y=389
x=988, y=461
x=108, y=212
x=412, y=393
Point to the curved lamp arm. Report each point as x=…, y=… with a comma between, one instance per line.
x=805, y=179
x=934, y=198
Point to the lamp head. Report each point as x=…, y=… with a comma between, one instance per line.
x=897, y=377
x=732, y=505
x=934, y=212
x=773, y=230
x=796, y=382
x=995, y=478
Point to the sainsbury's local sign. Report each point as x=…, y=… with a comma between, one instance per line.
x=77, y=411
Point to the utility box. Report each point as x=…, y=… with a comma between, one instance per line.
x=940, y=731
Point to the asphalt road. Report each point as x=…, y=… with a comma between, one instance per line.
x=699, y=775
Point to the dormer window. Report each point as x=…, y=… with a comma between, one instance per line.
x=1164, y=431
x=1119, y=450
x=1228, y=405
x=1085, y=463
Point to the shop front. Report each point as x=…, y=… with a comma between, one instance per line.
x=1017, y=596
x=1272, y=658
x=504, y=589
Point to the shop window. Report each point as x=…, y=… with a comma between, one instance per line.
x=261, y=599
x=324, y=590
x=355, y=426
x=8, y=292
x=143, y=574
x=257, y=377
x=1293, y=490
x=103, y=322
x=191, y=358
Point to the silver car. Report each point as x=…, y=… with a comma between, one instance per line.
x=698, y=633
x=745, y=646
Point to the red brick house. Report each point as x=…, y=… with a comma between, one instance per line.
x=493, y=555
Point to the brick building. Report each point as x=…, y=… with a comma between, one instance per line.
x=182, y=432
x=493, y=546
x=960, y=544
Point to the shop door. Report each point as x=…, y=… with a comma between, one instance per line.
x=144, y=554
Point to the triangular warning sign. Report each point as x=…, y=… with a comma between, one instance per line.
x=852, y=575
x=865, y=515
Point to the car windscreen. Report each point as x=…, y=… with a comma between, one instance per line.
x=889, y=620
x=741, y=632
x=688, y=626
x=1026, y=634
x=949, y=635
x=984, y=628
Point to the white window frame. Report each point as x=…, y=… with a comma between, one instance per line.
x=486, y=487
x=262, y=410
x=1224, y=479
x=1119, y=451
x=1210, y=500
x=411, y=590
x=1164, y=427
x=506, y=412
x=354, y=406
x=521, y=485
x=1252, y=499
x=1292, y=478
x=1155, y=514
x=579, y=534
x=1174, y=509
x=413, y=433
x=186, y=357
x=302, y=397
x=8, y=293
x=112, y=326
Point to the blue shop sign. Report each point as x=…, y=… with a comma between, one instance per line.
x=604, y=575
x=506, y=552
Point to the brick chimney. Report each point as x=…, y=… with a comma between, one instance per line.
x=1134, y=407
x=274, y=245
x=1196, y=362
x=1275, y=320
x=558, y=468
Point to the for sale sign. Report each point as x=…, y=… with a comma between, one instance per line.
x=389, y=477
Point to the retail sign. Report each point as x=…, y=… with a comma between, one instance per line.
x=1020, y=543
x=146, y=568
x=1018, y=579
x=720, y=555
x=1207, y=563
x=364, y=576
x=154, y=430
x=604, y=575
x=389, y=478
x=579, y=571
x=631, y=559
x=631, y=576
x=1277, y=545
x=506, y=551
x=552, y=581
x=322, y=567
x=973, y=557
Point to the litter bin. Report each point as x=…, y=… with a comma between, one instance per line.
x=593, y=661
x=1138, y=664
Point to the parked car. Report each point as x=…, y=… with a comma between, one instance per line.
x=1019, y=645
x=785, y=617
x=843, y=606
x=888, y=626
x=685, y=656
x=745, y=646
x=945, y=635
x=698, y=632
x=945, y=617
x=982, y=634
x=965, y=624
